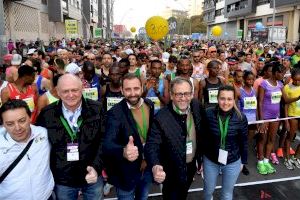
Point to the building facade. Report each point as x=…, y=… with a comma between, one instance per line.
x=234, y=15
x=45, y=19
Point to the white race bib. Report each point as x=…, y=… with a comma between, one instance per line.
x=90, y=93
x=111, y=101
x=250, y=103
x=276, y=97
x=30, y=103
x=213, y=96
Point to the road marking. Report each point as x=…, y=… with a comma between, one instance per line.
x=236, y=185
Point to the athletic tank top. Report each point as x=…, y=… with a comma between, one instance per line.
x=153, y=97
x=29, y=97
x=210, y=93
x=51, y=98
x=248, y=104
x=41, y=91
x=104, y=79
x=111, y=98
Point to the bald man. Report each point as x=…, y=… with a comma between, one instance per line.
x=74, y=132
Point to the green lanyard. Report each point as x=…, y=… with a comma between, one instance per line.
x=223, y=130
x=189, y=121
x=71, y=133
x=142, y=131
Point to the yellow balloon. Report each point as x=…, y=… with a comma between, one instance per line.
x=216, y=31
x=133, y=29
x=157, y=27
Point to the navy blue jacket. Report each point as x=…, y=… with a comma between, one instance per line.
x=120, y=124
x=166, y=143
x=236, y=141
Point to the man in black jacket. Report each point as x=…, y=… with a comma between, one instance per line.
x=173, y=143
x=74, y=127
x=127, y=128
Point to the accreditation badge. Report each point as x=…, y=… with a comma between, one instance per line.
x=189, y=147
x=223, y=156
x=72, y=152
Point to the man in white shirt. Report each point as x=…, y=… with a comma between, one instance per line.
x=31, y=178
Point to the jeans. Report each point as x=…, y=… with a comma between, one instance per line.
x=89, y=191
x=141, y=190
x=230, y=174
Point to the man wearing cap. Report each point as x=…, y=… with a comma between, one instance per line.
x=12, y=71
x=232, y=66
x=32, y=53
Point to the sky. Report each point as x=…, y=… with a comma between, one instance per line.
x=136, y=12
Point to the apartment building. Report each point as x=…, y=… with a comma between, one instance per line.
x=234, y=15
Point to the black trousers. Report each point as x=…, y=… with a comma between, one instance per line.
x=173, y=190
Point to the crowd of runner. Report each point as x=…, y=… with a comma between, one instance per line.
x=265, y=77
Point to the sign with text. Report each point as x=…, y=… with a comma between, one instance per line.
x=71, y=28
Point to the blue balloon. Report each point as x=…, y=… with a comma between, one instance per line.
x=226, y=33
x=259, y=26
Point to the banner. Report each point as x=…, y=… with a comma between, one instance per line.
x=98, y=32
x=71, y=28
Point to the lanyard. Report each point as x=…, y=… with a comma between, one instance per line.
x=223, y=130
x=142, y=130
x=189, y=121
x=72, y=134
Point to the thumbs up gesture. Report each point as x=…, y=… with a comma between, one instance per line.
x=91, y=176
x=158, y=173
x=131, y=152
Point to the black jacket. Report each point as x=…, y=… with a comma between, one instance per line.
x=89, y=138
x=120, y=124
x=166, y=144
x=236, y=141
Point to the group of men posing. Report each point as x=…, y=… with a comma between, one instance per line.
x=147, y=128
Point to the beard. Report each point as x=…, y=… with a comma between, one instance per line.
x=133, y=102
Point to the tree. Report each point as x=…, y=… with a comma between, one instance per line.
x=195, y=24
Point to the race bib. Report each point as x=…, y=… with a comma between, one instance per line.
x=156, y=102
x=276, y=97
x=111, y=101
x=213, y=96
x=30, y=103
x=90, y=93
x=250, y=103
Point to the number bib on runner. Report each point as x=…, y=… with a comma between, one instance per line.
x=250, y=103
x=30, y=103
x=111, y=101
x=156, y=102
x=213, y=96
x=275, y=97
x=90, y=93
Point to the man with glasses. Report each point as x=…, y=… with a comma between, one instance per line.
x=173, y=143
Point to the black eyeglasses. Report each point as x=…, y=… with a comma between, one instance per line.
x=182, y=94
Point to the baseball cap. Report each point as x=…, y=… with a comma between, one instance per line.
x=165, y=57
x=232, y=61
x=72, y=68
x=16, y=59
x=31, y=51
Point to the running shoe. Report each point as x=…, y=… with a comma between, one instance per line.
x=274, y=159
x=292, y=152
x=288, y=163
x=295, y=161
x=261, y=168
x=279, y=153
x=270, y=168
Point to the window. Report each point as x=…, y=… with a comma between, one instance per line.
x=219, y=12
x=262, y=2
x=278, y=21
